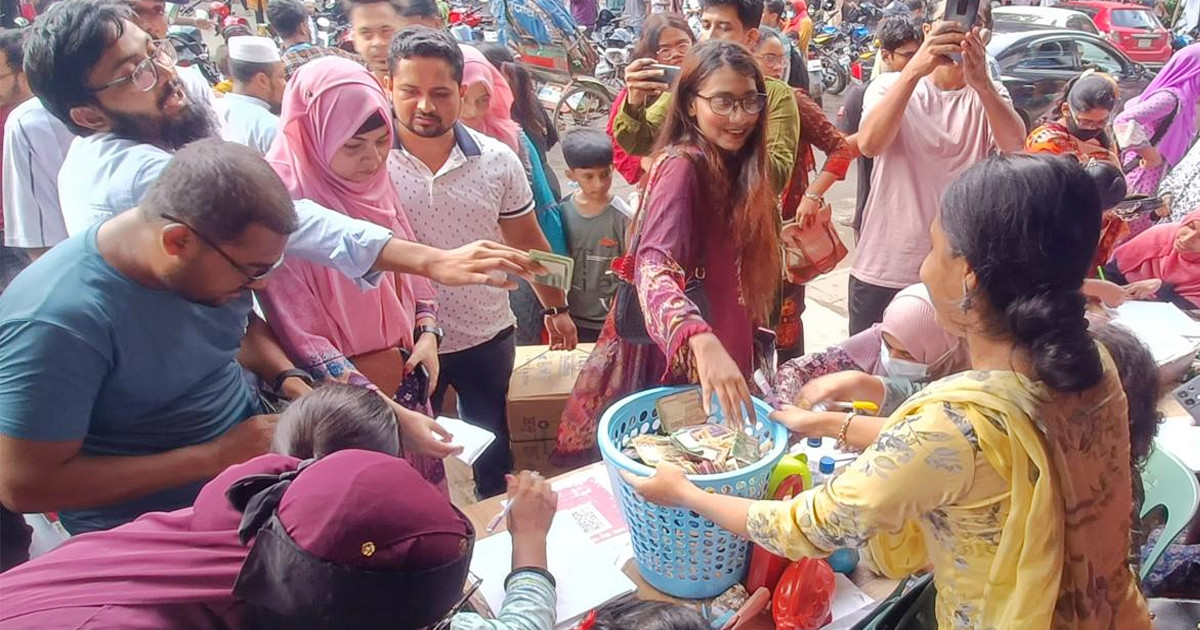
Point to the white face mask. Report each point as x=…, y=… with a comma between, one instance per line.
x=901, y=368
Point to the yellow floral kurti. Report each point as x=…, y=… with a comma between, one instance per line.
x=956, y=480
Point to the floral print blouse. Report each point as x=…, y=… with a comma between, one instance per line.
x=943, y=477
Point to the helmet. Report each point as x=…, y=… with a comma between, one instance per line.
x=218, y=11
x=803, y=598
x=234, y=26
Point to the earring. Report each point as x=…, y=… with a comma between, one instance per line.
x=965, y=304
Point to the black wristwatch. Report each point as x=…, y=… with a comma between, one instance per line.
x=436, y=331
x=286, y=374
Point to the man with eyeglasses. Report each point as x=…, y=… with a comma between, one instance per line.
x=899, y=38
x=645, y=108
x=122, y=348
x=131, y=112
x=120, y=391
x=924, y=126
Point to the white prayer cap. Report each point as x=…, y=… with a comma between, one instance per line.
x=254, y=49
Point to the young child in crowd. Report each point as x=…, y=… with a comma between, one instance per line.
x=630, y=613
x=595, y=223
x=1177, y=573
x=337, y=417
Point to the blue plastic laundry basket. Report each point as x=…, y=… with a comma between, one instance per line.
x=679, y=552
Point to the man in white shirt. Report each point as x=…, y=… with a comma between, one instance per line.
x=34, y=146
x=456, y=186
x=132, y=112
x=258, y=83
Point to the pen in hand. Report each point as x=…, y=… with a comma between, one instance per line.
x=506, y=507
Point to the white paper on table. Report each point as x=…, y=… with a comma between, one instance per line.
x=473, y=439
x=587, y=497
x=585, y=577
x=1139, y=315
x=1165, y=345
x=1180, y=437
x=848, y=598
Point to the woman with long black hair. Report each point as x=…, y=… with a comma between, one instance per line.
x=709, y=215
x=1012, y=479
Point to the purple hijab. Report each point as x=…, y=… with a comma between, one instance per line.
x=1181, y=76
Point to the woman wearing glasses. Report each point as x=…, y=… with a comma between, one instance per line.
x=665, y=39
x=355, y=539
x=709, y=216
x=1079, y=128
x=335, y=132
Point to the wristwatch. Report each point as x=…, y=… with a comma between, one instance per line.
x=815, y=197
x=553, y=310
x=436, y=331
x=286, y=374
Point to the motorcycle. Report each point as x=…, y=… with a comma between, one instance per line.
x=332, y=27
x=616, y=45
x=191, y=50
x=860, y=70
x=466, y=23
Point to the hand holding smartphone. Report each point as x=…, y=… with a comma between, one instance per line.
x=669, y=73
x=963, y=13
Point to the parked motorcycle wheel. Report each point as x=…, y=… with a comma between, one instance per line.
x=581, y=105
x=833, y=76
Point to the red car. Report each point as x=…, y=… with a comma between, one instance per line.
x=1131, y=27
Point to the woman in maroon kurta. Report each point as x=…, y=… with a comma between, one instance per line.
x=708, y=213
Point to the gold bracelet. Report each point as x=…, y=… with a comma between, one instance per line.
x=841, y=441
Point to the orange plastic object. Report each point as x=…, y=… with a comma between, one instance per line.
x=804, y=596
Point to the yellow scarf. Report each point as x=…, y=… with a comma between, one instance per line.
x=1023, y=584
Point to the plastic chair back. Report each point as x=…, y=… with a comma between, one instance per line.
x=1171, y=484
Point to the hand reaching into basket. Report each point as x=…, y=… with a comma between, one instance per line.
x=720, y=375
x=670, y=487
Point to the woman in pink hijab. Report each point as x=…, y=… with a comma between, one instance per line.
x=1168, y=252
x=884, y=364
x=487, y=104
x=908, y=345
x=336, y=131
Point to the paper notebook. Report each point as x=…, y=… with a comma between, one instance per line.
x=1167, y=332
x=585, y=575
x=473, y=439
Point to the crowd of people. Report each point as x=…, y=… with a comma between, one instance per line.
x=249, y=307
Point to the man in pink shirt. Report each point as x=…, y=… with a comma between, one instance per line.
x=924, y=126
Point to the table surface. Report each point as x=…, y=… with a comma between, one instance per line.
x=874, y=586
x=482, y=512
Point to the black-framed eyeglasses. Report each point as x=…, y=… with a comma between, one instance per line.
x=473, y=584
x=1087, y=125
x=722, y=105
x=253, y=274
x=145, y=75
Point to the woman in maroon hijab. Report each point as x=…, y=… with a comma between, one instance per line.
x=354, y=540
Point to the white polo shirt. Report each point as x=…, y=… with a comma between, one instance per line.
x=480, y=184
x=35, y=145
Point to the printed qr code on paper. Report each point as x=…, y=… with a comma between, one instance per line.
x=590, y=520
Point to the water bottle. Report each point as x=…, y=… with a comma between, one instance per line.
x=824, y=471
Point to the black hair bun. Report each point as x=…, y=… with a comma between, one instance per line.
x=1051, y=325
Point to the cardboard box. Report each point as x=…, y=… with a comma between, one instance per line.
x=537, y=393
x=535, y=455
